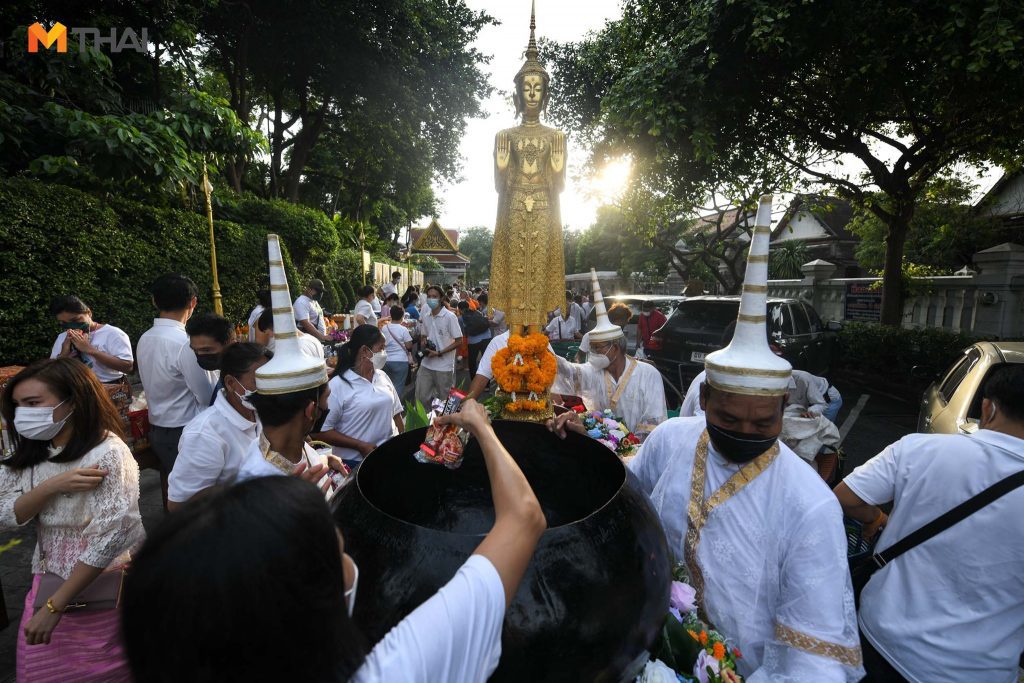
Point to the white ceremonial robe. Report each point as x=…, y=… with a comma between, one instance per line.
x=642, y=401
x=772, y=554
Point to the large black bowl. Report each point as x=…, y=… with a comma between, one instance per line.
x=596, y=592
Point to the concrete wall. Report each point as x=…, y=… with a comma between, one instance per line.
x=986, y=301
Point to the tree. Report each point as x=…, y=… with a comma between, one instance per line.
x=786, y=259
x=476, y=244
x=904, y=90
x=945, y=232
x=407, y=64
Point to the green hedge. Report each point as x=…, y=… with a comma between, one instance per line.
x=889, y=354
x=57, y=240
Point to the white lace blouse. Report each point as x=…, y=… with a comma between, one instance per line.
x=99, y=527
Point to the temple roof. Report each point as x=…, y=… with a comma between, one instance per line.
x=434, y=238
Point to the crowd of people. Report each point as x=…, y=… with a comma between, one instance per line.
x=235, y=425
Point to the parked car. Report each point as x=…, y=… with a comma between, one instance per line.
x=697, y=325
x=952, y=404
x=666, y=304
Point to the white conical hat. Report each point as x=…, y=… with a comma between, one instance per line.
x=747, y=365
x=289, y=370
x=604, y=330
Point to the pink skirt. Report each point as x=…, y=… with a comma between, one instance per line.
x=85, y=646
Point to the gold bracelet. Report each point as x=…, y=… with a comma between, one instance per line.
x=53, y=610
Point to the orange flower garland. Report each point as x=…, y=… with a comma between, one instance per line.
x=525, y=367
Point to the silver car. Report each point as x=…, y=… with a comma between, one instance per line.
x=952, y=405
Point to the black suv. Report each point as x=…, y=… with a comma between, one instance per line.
x=697, y=325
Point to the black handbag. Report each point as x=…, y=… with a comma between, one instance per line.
x=863, y=571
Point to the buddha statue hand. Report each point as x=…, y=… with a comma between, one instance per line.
x=558, y=152
x=503, y=150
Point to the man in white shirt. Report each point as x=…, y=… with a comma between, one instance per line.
x=177, y=389
x=213, y=445
x=951, y=608
x=392, y=287
x=104, y=348
x=563, y=328
x=761, y=535
x=309, y=316
x=441, y=336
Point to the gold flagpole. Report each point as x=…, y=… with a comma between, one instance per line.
x=218, y=308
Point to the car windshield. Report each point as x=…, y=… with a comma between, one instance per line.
x=704, y=317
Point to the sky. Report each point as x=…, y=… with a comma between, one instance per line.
x=473, y=201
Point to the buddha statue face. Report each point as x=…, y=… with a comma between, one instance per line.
x=531, y=95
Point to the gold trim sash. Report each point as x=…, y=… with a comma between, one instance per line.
x=613, y=398
x=700, y=509
x=850, y=656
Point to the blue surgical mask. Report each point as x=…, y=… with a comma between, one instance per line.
x=433, y=303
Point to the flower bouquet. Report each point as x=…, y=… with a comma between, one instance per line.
x=610, y=430
x=688, y=649
x=525, y=371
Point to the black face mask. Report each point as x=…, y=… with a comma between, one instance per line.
x=208, y=361
x=738, y=447
x=318, y=423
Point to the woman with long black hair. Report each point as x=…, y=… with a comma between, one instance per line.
x=76, y=479
x=365, y=408
x=253, y=584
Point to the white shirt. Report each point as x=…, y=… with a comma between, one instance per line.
x=772, y=554
x=952, y=608
x=177, y=389
x=389, y=288
x=805, y=390
x=498, y=325
x=260, y=461
x=396, y=336
x=809, y=391
x=560, y=329
x=454, y=637
x=442, y=329
x=253, y=318
x=99, y=527
x=375, y=304
x=362, y=410
x=575, y=313
x=210, y=450
x=107, y=339
x=499, y=342
x=642, y=401
x=308, y=345
x=308, y=309
x=364, y=309
x=691, y=403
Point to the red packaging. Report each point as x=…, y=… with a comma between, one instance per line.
x=444, y=444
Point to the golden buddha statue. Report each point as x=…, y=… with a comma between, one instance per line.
x=527, y=269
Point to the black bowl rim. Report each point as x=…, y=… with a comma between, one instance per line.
x=605, y=504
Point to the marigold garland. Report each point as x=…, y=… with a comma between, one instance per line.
x=525, y=367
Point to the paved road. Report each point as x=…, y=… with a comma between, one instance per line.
x=881, y=421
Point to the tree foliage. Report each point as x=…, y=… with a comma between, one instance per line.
x=945, y=233
x=700, y=90
x=476, y=244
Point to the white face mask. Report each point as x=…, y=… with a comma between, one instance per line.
x=379, y=359
x=37, y=423
x=350, y=594
x=598, y=360
x=243, y=398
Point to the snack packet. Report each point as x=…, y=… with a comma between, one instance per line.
x=444, y=444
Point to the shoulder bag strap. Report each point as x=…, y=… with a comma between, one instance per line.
x=957, y=514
